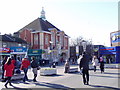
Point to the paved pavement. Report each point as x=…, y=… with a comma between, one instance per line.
x=108, y=80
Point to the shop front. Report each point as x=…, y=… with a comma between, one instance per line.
x=111, y=54
x=4, y=52
x=37, y=54
x=18, y=52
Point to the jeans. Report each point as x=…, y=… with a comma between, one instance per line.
x=94, y=68
x=85, y=76
x=3, y=73
x=25, y=74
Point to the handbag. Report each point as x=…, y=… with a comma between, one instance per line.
x=38, y=68
x=18, y=71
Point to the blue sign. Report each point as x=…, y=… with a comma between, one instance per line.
x=108, y=50
x=18, y=49
x=111, y=51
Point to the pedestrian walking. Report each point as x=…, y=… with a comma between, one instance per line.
x=3, y=63
x=17, y=66
x=18, y=63
x=67, y=66
x=101, y=64
x=8, y=67
x=24, y=66
x=84, y=65
x=78, y=61
x=95, y=62
x=34, y=65
x=14, y=62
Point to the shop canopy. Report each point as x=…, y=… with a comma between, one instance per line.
x=4, y=51
x=35, y=52
x=108, y=50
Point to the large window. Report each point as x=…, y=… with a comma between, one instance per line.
x=46, y=39
x=53, y=38
x=36, y=39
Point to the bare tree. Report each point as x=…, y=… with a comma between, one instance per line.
x=76, y=41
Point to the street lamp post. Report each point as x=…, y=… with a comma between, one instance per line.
x=50, y=50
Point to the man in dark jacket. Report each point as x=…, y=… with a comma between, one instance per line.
x=84, y=63
x=34, y=65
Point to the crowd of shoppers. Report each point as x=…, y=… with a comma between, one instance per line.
x=9, y=64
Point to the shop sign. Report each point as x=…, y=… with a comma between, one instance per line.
x=107, y=49
x=4, y=50
x=34, y=51
x=18, y=50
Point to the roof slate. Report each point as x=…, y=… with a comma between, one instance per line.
x=45, y=25
x=9, y=38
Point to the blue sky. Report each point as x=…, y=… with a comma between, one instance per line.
x=91, y=19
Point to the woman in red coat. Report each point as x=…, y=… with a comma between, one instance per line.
x=24, y=66
x=8, y=67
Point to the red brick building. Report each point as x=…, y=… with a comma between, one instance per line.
x=41, y=34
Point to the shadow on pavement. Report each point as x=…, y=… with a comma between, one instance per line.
x=107, y=87
x=112, y=73
x=53, y=86
x=104, y=76
x=55, y=75
x=74, y=73
x=16, y=88
x=38, y=84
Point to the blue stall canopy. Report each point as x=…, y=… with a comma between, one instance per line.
x=107, y=50
x=111, y=51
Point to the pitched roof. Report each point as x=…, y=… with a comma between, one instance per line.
x=9, y=38
x=45, y=25
x=39, y=24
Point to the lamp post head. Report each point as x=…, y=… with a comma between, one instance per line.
x=84, y=45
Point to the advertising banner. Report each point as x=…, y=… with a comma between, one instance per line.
x=18, y=50
x=115, y=37
x=4, y=50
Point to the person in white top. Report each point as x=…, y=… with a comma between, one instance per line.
x=95, y=62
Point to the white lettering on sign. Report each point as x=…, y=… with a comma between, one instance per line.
x=19, y=49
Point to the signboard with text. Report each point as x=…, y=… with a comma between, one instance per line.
x=115, y=37
x=4, y=50
x=18, y=50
